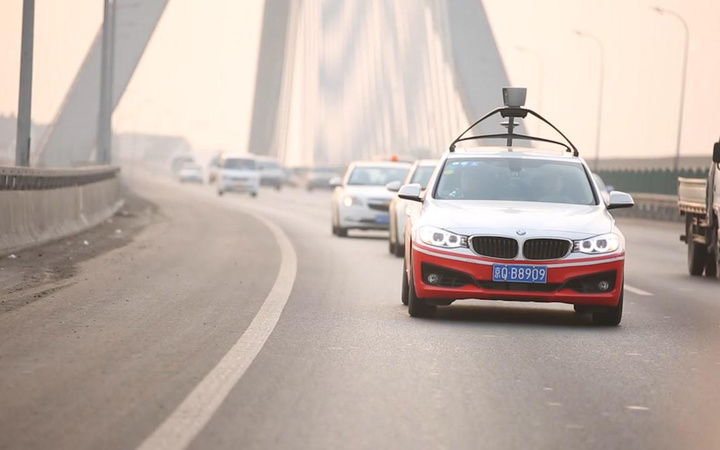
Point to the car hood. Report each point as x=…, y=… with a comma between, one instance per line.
x=379, y=192
x=471, y=217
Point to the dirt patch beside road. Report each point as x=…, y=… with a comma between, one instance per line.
x=32, y=274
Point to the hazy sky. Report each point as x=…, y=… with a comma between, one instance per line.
x=197, y=75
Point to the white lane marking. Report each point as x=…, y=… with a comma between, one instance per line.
x=637, y=408
x=637, y=291
x=191, y=416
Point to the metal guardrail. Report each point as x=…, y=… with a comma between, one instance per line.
x=652, y=206
x=651, y=181
x=32, y=179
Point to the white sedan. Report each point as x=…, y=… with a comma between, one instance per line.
x=360, y=199
x=514, y=223
x=419, y=173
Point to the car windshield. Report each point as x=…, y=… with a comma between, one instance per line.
x=422, y=175
x=376, y=176
x=239, y=164
x=515, y=179
x=268, y=165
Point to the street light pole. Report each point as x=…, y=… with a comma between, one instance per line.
x=24, y=120
x=600, y=94
x=541, y=76
x=660, y=10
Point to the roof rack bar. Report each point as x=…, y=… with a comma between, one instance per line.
x=512, y=112
x=517, y=136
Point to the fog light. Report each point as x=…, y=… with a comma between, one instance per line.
x=603, y=285
x=433, y=278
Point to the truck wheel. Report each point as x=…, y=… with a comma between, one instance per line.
x=612, y=315
x=716, y=256
x=697, y=258
x=697, y=255
x=711, y=266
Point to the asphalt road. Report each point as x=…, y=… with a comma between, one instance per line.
x=144, y=331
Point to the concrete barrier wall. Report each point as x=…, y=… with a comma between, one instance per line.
x=38, y=206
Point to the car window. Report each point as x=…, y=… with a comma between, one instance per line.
x=513, y=179
x=376, y=176
x=422, y=175
x=239, y=164
x=600, y=183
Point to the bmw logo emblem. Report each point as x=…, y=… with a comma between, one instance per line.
x=521, y=232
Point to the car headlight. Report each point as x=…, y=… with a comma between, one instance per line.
x=350, y=201
x=606, y=243
x=441, y=238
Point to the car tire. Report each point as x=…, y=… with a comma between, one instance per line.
x=399, y=250
x=418, y=307
x=612, y=315
x=278, y=187
x=253, y=194
x=391, y=245
x=405, y=287
x=220, y=193
x=342, y=232
x=581, y=309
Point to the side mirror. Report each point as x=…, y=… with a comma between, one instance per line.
x=335, y=182
x=620, y=200
x=393, y=186
x=411, y=192
x=716, y=153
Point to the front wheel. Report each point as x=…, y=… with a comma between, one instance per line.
x=612, y=315
x=405, y=287
x=418, y=307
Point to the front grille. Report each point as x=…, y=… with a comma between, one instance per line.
x=384, y=208
x=495, y=247
x=537, y=249
x=518, y=287
x=590, y=284
x=379, y=205
x=443, y=277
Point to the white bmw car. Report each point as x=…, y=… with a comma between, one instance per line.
x=419, y=173
x=360, y=200
x=513, y=223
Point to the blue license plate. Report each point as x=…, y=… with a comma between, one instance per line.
x=382, y=218
x=518, y=273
